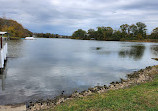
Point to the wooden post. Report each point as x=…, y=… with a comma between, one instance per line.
x=1, y=43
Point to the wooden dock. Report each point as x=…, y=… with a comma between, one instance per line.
x=3, y=55
x=3, y=62
x=3, y=51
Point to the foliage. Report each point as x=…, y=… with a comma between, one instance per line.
x=79, y=33
x=126, y=32
x=13, y=28
x=50, y=35
x=141, y=29
x=104, y=33
x=154, y=34
x=91, y=33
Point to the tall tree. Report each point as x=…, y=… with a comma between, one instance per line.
x=117, y=35
x=125, y=30
x=141, y=29
x=154, y=34
x=104, y=33
x=91, y=33
x=133, y=30
x=79, y=33
x=155, y=30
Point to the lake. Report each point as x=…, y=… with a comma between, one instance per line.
x=43, y=68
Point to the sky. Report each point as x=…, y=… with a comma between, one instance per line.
x=66, y=16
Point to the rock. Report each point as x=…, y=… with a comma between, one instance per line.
x=138, y=77
x=61, y=100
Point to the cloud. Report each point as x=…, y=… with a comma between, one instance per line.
x=64, y=17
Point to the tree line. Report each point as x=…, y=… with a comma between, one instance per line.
x=125, y=32
x=50, y=35
x=14, y=28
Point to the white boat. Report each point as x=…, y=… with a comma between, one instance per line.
x=29, y=38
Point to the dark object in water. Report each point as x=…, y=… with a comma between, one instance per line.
x=98, y=48
x=155, y=59
x=62, y=92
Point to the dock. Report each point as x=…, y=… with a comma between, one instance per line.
x=3, y=55
x=3, y=52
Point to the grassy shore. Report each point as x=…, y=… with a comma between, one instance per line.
x=142, y=97
x=144, y=40
x=139, y=92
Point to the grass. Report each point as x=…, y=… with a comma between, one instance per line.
x=144, y=40
x=143, y=97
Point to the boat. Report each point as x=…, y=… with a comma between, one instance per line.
x=29, y=38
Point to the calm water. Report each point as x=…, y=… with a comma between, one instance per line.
x=43, y=68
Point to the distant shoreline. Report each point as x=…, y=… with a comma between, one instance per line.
x=145, y=40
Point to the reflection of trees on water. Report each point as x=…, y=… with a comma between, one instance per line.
x=154, y=50
x=136, y=52
x=15, y=48
x=101, y=51
x=2, y=78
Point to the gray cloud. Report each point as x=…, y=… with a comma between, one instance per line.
x=63, y=17
x=144, y=5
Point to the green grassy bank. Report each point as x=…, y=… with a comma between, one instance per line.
x=143, y=97
x=144, y=40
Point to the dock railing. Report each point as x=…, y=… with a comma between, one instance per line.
x=3, y=55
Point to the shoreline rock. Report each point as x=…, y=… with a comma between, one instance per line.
x=134, y=78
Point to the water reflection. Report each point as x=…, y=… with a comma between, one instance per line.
x=45, y=67
x=154, y=50
x=100, y=51
x=136, y=52
x=14, y=48
x=3, y=76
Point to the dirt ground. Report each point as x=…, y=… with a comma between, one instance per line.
x=13, y=108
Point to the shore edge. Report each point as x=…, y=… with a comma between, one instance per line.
x=134, y=78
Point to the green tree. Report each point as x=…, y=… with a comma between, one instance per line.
x=154, y=34
x=99, y=33
x=141, y=29
x=117, y=35
x=155, y=30
x=133, y=29
x=79, y=33
x=108, y=31
x=91, y=33
x=125, y=30
x=104, y=33
x=139, y=36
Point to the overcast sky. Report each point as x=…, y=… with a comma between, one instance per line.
x=66, y=16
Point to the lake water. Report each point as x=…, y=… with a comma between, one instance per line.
x=43, y=68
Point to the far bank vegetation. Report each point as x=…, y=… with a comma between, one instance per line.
x=15, y=29
x=136, y=31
